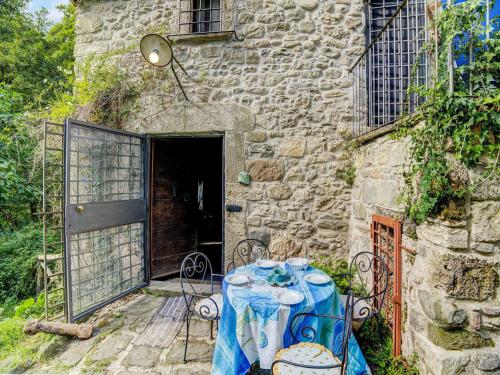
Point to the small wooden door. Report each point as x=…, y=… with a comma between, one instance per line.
x=106, y=234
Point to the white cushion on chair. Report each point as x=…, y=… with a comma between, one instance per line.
x=207, y=309
x=306, y=353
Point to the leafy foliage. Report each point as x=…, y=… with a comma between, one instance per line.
x=465, y=121
x=375, y=341
x=35, y=58
x=18, y=251
x=36, y=65
x=337, y=269
x=19, y=179
x=103, y=94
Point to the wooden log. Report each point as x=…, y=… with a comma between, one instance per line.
x=82, y=331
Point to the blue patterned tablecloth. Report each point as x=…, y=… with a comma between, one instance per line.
x=254, y=325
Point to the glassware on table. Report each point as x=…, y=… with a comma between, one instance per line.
x=246, y=269
x=257, y=280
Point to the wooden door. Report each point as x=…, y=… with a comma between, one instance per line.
x=173, y=206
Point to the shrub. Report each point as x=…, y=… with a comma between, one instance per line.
x=338, y=270
x=18, y=251
x=375, y=341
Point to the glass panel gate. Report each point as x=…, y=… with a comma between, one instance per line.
x=106, y=211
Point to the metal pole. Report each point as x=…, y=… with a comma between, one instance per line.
x=44, y=222
x=436, y=44
x=471, y=56
x=450, y=59
x=487, y=19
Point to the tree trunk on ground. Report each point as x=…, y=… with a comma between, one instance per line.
x=81, y=331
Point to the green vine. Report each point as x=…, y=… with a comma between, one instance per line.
x=464, y=122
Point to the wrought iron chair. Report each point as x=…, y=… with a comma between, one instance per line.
x=368, y=280
x=197, y=282
x=309, y=357
x=248, y=251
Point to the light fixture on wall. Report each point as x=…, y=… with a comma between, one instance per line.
x=157, y=51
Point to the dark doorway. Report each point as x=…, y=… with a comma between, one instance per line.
x=186, y=202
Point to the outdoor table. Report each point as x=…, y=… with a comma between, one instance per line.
x=254, y=326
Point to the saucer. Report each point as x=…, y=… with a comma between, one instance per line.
x=317, y=278
x=238, y=279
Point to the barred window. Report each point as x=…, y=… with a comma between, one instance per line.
x=200, y=16
x=393, y=58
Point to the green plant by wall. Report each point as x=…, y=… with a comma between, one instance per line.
x=103, y=94
x=375, y=341
x=347, y=174
x=464, y=122
x=338, y=270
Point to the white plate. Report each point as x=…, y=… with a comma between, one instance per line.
x=317, y=278
x=297, y=262
x=238, y=279
x=266, y=263
x=290, y=297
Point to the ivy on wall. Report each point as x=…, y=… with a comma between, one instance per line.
x=463, y=122
x=103, y=93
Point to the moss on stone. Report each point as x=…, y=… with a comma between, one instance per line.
x=466, y=278
x=452, y=210
x=457, y=339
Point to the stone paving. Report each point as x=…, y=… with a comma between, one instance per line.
x=111, y=349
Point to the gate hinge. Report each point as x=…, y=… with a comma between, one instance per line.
x=395, y=299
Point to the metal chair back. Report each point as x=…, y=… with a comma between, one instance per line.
x=308, y=333
x=196, y=278
x=248, y=251
x=371, y=273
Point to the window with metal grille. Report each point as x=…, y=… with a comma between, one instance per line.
x=390, y=64
x=394, y=58
x=200, y=16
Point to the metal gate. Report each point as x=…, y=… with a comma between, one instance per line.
x=386, y=239
x=51, y=261
x=105, y=215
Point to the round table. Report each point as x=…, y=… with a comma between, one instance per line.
x=254, y=326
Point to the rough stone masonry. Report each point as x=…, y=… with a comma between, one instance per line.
x=279, y=91
x=451, y=301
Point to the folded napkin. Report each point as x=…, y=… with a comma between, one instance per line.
x=279, y=277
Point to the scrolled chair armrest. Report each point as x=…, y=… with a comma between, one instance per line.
x=204, y=309
x=307, y=332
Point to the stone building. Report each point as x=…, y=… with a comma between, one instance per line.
x=277, y=89
x=271, y=81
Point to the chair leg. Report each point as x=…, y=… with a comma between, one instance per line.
x=211, y=330
x=187, y=338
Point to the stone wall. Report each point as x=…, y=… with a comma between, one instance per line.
x=279, y=91
x=451, y=299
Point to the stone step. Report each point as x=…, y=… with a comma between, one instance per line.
x=173, y=288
